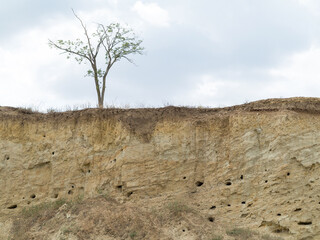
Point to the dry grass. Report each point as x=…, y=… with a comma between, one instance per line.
x=87, y=219
x=247, y=234
x=37, y=210
x=177, y=208
x=216, y=238
x=240, y=233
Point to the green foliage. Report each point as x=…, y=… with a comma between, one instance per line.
x=114, y=42
x=133, y=234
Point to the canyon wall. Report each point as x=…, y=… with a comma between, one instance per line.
x=255, y=165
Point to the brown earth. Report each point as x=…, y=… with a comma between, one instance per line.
x=243, y=172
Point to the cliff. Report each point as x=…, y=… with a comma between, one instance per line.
x=253, y=166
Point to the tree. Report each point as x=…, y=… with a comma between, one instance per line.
x=116, y=43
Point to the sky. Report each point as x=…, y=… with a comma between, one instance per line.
x=208, y=53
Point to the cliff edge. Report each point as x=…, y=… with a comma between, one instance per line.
x=166, y=173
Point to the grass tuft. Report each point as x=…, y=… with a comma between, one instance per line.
x=36, y=210
x=217, y=238
x=240, y=233
x=177, y=208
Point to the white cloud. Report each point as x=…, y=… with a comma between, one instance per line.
x=312, y=5
x=208, y=86
x=209, y=90
x=19, y=67
x=299, y=74
x=303, y=66
x=152, y=14
x=30, y=69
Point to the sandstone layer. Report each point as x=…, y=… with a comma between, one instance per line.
x=255, y=165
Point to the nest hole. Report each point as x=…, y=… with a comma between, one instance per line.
x=32, y=196
x=13, y=206
x=241, y=177
x=243, y=202
x=213, y=207
x=228, y=183
x=279, y=214
x=129, y=194
x=211, y=219
x=305, y=223
x=199, y=183
x=288, y=174
x=70, y=192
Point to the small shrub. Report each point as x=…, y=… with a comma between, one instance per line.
x=36, y=210
x=79, y=199
x=57, y=204
x=69, y=229
x=66, y=230
x=133, y=234
x=240, y=232
x=103, y=194
x=51, y=110
x=176, y=208
x=217, y=238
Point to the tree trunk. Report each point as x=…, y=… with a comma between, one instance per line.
x=101, y=103
x=103, y=90
x=96, y=81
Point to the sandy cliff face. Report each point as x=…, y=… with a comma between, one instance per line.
x=255, y=165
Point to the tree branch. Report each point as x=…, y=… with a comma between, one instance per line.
x=86, y=34
x=106, y=48
x=67, y=50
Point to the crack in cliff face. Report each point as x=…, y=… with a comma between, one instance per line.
x=40, y=165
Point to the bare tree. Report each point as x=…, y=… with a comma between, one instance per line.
x=113, y=41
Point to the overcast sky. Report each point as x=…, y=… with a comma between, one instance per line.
x=208, y=52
